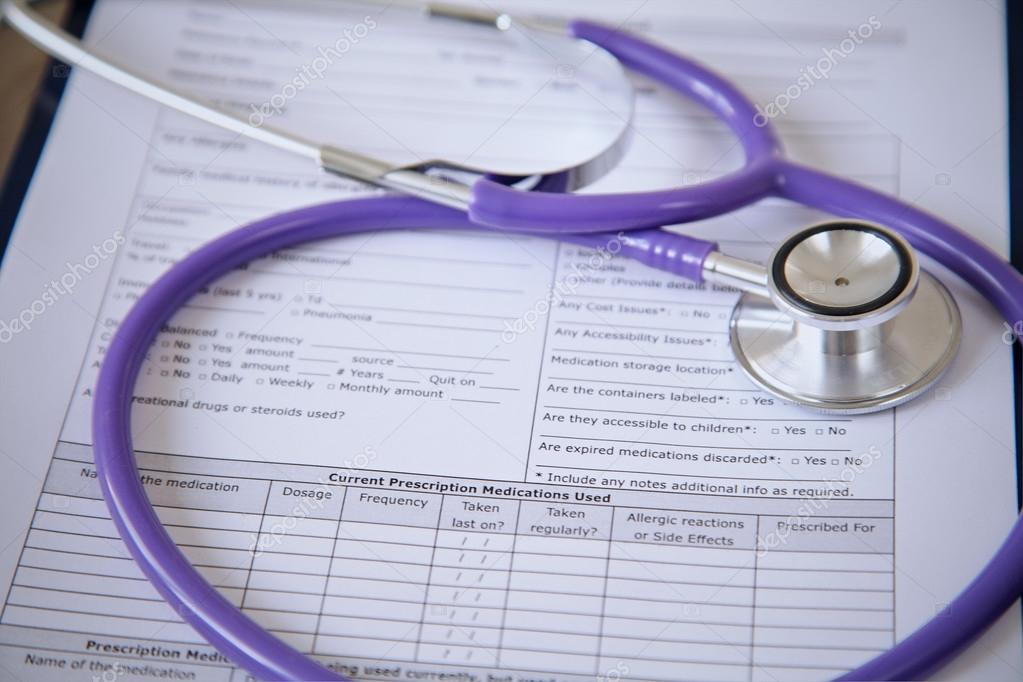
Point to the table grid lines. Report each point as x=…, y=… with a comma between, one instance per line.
x=330, y=567
x=564, y=586
x=504, y=610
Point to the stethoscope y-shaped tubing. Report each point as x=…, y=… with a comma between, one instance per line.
x=765, y=173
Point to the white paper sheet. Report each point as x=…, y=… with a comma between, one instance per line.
x=488, y=456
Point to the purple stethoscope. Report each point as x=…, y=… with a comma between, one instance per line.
x=841, y=319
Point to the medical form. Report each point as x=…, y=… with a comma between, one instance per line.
x=488, y=457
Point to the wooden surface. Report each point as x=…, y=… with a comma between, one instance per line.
x=21, y=68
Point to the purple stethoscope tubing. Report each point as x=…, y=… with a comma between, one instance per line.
x=588, y=220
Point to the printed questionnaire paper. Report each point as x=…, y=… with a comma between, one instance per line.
x=485, y=455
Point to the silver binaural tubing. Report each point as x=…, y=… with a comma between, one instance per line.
x=720, y=268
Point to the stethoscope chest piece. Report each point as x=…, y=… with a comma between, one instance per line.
x=850, y=324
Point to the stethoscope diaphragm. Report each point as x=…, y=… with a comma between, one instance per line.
x=849, y=323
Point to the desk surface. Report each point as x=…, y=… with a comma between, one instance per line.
x=19, y=79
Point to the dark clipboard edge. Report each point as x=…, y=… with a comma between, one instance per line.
x=1014, y=47
x=1014, y=56
x=37, y=129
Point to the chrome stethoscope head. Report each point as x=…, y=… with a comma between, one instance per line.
x=841, y=320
